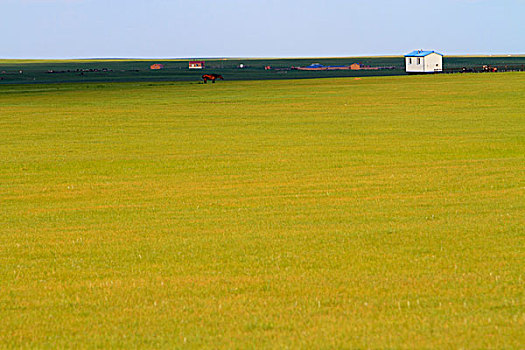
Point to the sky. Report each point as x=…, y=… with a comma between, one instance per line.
x=257, y=28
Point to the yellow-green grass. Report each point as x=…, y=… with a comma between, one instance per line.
x=335, y=213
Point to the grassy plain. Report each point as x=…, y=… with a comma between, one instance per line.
x=135, y=70
x=335, y=213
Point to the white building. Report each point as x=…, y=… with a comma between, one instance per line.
x=424, y=62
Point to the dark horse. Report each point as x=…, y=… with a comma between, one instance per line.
x=211, y=77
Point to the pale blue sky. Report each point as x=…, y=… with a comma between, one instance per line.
x=257, y=28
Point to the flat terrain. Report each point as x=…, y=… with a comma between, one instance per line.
x=383, y=212
x=128, y=70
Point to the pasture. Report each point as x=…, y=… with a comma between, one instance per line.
x=385, y=212
x=129, y=70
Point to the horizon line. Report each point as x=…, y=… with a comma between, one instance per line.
x=144, y=58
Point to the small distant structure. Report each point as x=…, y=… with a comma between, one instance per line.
x=420, y=61
x=196, y=65
x=355, y=66
x=156, y=66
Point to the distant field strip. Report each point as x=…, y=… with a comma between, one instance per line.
x=138, y=70
x=384, y=212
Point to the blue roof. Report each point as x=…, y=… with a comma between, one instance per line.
x=419, y=53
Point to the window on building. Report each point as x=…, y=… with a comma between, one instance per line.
x=418, y=60
x=409, y=61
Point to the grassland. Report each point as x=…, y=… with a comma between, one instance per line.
x=133, y=70
x=334, y=213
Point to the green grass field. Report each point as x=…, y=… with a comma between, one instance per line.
x=133, y=70
x=385, y=212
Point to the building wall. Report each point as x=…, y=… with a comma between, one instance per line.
x=414, y=67
x=433, y=63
